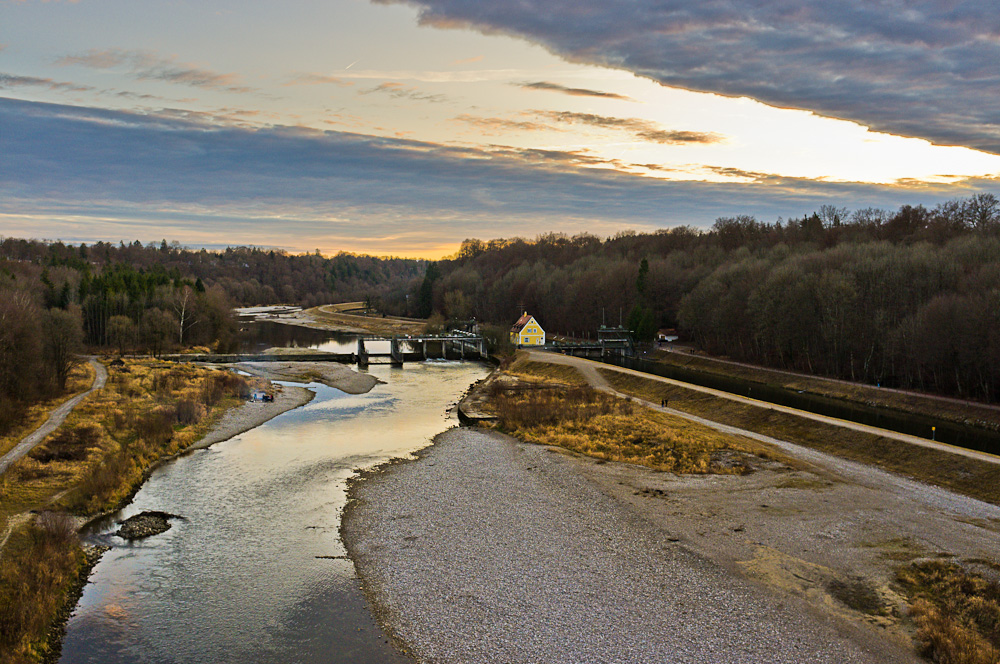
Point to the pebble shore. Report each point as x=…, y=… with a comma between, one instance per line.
x=489, y=550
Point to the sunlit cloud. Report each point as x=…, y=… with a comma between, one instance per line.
x=428, y=76
x=468, y=61
x=643, y=129
x=574, y=92
x=400, y=91
x=70, y=171
x=497, y=125
x=319, y=79
x=148, y=66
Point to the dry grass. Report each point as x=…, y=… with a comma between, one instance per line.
x=978, y=479
x=529, y=371
x=581, y=419
x=329, y=317
x=950, y=409
x=40, y=564
x=80, y=379
x=957, y=612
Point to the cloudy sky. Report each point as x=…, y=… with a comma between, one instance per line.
x=402, y=128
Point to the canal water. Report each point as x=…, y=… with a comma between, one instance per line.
x=256, y=570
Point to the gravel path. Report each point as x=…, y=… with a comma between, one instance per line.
x=57, y=417
x=490, y=550
x=589, y=369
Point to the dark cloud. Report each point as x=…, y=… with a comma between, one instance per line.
x=201, y=178
x=644, y=129
x=924, y=68
x=401, y=91
x=13, y=81
x=148, y=66
x=575, y=92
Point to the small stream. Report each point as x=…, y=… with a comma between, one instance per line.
x=256, y=570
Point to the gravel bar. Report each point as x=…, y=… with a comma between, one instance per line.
x=489, y=550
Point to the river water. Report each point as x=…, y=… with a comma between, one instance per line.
x=256, y=570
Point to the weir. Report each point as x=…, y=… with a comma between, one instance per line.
x=457, y=345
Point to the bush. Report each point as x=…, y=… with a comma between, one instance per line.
x=957, y=612
x=39, y=563
x=69, y=445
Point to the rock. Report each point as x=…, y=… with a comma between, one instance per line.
x=145, y=524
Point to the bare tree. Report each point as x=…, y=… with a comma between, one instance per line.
x=184, y=307
x=20, y=345
x=63, y=340
x=121, y=332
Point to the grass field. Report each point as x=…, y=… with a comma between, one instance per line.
x=970, y=477
x=331, y=317
x=550, y=405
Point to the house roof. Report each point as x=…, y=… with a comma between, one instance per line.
x=521, y=322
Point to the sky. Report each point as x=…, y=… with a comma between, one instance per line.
x=403, y=127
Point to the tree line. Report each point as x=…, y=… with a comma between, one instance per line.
x=909, y=298
x=58, y=299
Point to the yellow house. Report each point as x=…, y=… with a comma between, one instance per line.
x=527, y=332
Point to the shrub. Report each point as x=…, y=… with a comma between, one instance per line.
x=69, y=445
x=957, y=612
x=39, y=563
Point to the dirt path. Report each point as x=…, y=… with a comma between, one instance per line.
x=589, y=369
x=57, y=417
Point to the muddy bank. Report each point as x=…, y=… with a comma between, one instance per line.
x=330, y=374
x=489, y=550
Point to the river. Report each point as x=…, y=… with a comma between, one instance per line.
x=256, y=570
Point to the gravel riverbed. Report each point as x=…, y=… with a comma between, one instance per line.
x=489, y=550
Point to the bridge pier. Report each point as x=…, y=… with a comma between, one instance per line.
x=395, y=352
x=362, y=353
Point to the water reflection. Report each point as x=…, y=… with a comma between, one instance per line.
x=256, y=571
x=258, y=336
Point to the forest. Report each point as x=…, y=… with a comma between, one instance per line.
x=909, y=298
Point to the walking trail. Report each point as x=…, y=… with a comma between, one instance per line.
x=57, y=417
x=589, y=370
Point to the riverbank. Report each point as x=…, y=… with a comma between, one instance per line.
x=328, y=317
x=844, y=538
x=251, y=415
x=330, y=374
x=461, y=568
